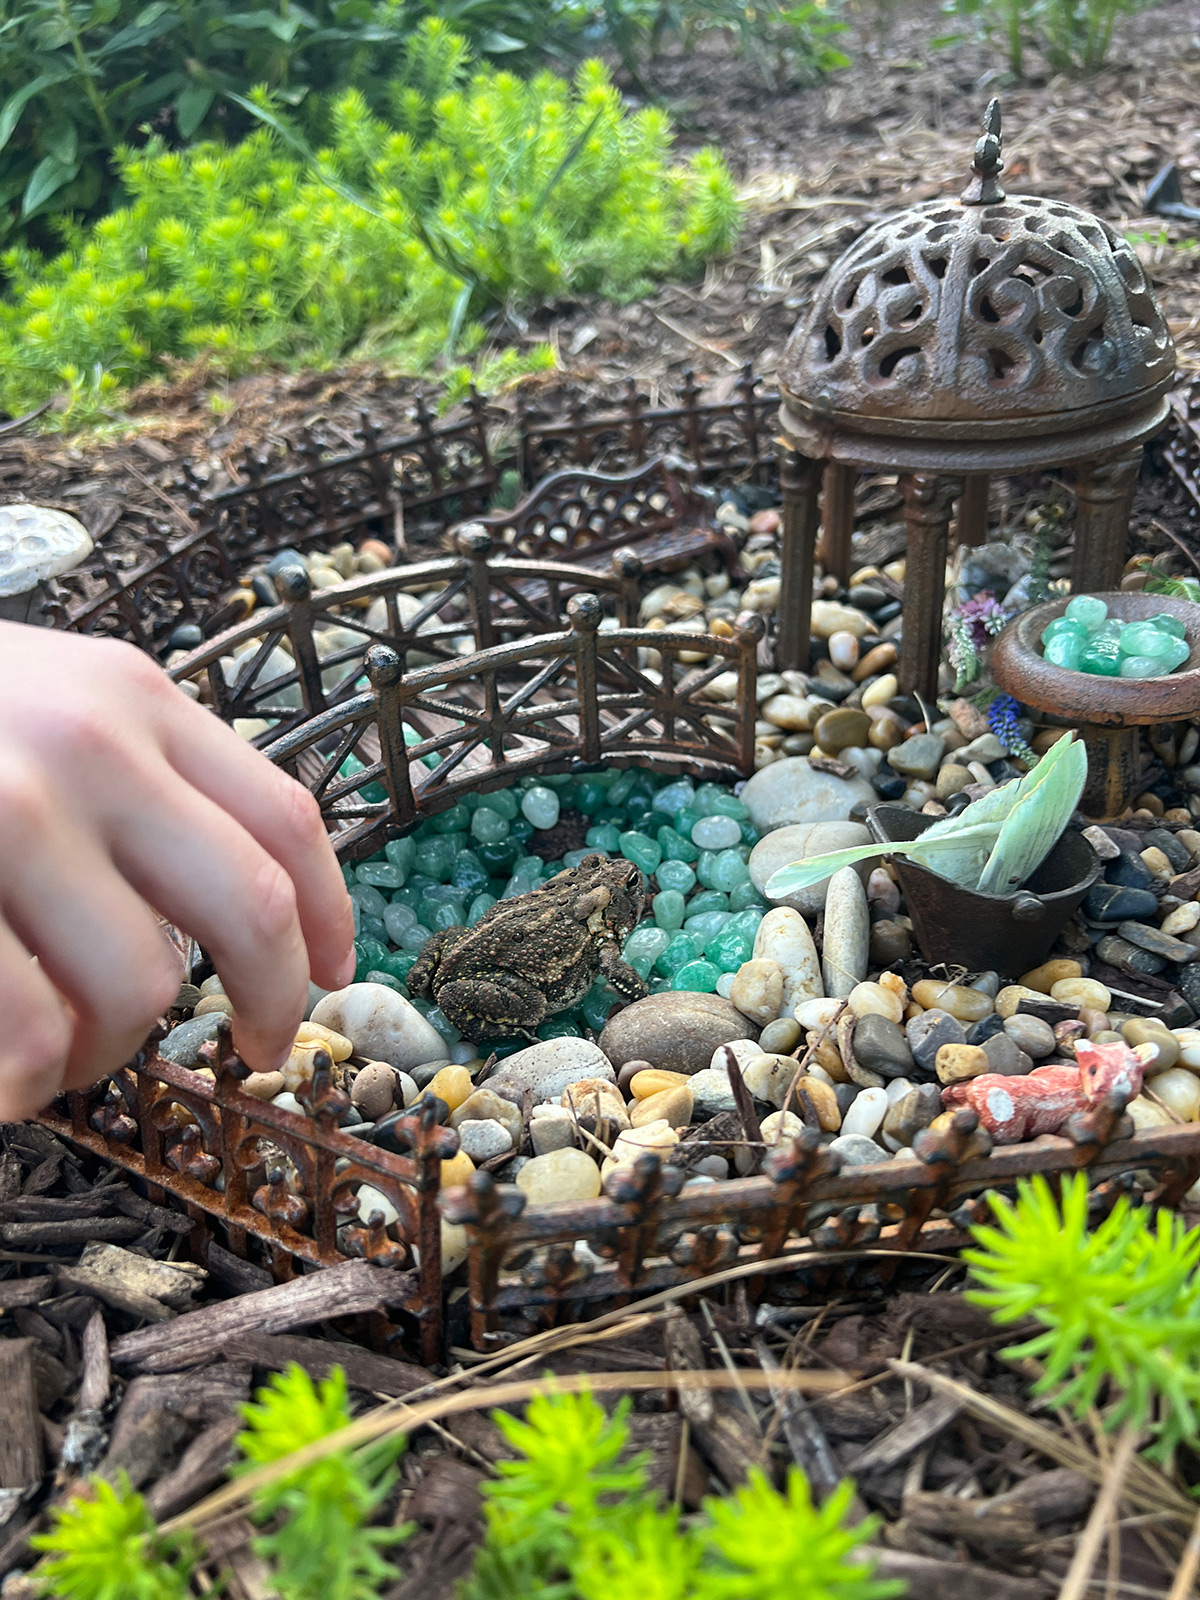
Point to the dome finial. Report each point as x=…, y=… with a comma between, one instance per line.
x=985, y=188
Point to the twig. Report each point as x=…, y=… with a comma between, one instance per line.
x=1103, y=1512
x=727, y=1361
x=701, y=344
x=1185, y=1573
x=1175, y=540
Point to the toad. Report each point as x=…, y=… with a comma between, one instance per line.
x=536, y=954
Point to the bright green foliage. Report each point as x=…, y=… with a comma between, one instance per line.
x=108, y=1548
x=566, y=1522
x=481, y=190
x=320, y=1547
x=1073, y=35
x=1181, y=588
x=1120, y=1305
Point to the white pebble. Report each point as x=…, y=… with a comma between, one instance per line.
x=813, y=1015
x=372, y=1199
x=843, y=650
x=716, y=833
x=539, y=806
x=867, y=1112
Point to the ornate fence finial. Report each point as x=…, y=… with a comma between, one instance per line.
x=985, y=188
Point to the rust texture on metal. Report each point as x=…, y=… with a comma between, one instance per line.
x=422, y=481
x=282, y=1189
x=991, y=334
x=1007, y=934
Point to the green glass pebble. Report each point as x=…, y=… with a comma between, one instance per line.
x=1065, y=650
x=750, y=834
x=724, y=869
x=706, y=923
x=1166, y=623
x=1143, y=639
x=416, y=937
x=589, y=797
x=674, y=846
x=707, y=900
x=448, y=914
x=1140, y=667
x=716, y=832
x=606, y=837
x=642, y=850
x=647, y=940
x=386, y=979
x=624, y=786
x=673, y=795
x=488, y=826
x=642, y=965
x=559, y=1028
x=469, y=873
x=497, y=858
x=401, y=853
x=697, y=977
x=1063, y=627
x=382, y=875
x=437, y=1018
x=369, y=954
x=349, y=877
x=573, y=858
x=747, y=918
x=540, y=807
x=369, y=898
x=668, y=907
x=481, y=904
x=520, y=830
x=1101, y=657
x=435, y=857
x=350, y=768
x=397, y=919
x=1088, y=609
x=685, y=819
x=675, y=875
x=597, y=1005
x=746, y=898
x=456, y=817
x=682, y=949
x=399, y=964
x=504, y=802
x=372, y=928
x=729, y=947
x=716, y=801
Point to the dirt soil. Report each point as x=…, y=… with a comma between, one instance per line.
x=815, y=166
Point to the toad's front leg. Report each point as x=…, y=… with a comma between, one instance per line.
x=620, y=975
x=493, y=1008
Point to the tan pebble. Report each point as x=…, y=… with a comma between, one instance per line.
x=300, y=1065
x=882, y=691
x=560, y=1175
x=979, y=1143
x=877, y=660
x=376, y=547
x=264, y=1085
x=828, y=1056
x=788, y=711
x=373, y=1091
x=316, y=1033
x=1049, y=973
x=457, y=1169
x=886, y=734
x=1106, y=1036
x=654, y=1080
x=1093, y=1021
x=780, y=1125
x=221, y=1002
x=1189, y=838
x=894, y=984
x=843, y=650
x=658, y=1137
x=1148, y=1030
x=757, y=989
x=1179, y=1091
x=1010, y=998
x=968, y=1005
x=957, y=1062
x=1150, y=803
x=1158, y=864
x=817, y=1103
x=453, y=1085
x=1144, y=1113
x=912, y=1009
x=1182, y=920
x=673, y=1106
x=872, y=999
x=1081, y=992
x=598, y=1105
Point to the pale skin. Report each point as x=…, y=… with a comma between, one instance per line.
x=119, y=798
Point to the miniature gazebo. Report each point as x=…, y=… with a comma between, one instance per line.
x=962, y=339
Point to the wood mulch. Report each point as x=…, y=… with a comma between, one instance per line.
x=117, y=1356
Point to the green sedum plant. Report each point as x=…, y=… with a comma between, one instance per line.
x=478, y=191
x=1120, y=1305
x=108, y=1548
x=568, y=1521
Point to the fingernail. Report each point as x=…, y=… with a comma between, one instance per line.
x=345, y=973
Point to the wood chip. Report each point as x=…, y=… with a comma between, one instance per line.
x=21, y=1460
x=952, y=1580
x=925, y=1422
x=363, y=1368
x=24, y=1292
x=979, y=1522
x=96, y=1383
x=200, y=1468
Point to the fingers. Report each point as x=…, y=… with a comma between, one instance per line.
x=36, y=1033
x=198, y=867
x=286, y=822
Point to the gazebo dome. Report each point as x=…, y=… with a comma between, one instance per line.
x=980, y=320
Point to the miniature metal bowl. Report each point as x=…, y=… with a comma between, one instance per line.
x=1020, y=668
x=1004, y=933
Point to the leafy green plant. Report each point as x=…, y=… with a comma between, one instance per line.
x=481, y=191
x=1181, y=588
x=790, y=44
x=568, y=1521
x=1120, y=1305
x=320, y=1545
x=108, y=1548
x=1073, y=35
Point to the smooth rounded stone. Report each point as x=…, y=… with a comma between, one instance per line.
x=566, y=1174
x=209, y=1003
x=952, y=779
x=1030, y=1034
x=780, y=1125
x=968, y=1005
x=768, y=1078
x=757, y=990
x=672, y=1030
x=817, y=1103
x=673, y=1106
x=866, y=1115
x=784, y=937
x=980, y=1032
x=1114, y=902
x=458, y=1169
x=1158, y=943
x=716, y=833
x=373, y=1091
x=1179, y=1091
x=780, y=1037
x=1005, y=1055
x=813, y=1015
x=182, y=1044
x=381, y=1024
x=484, y=1139
x=658, y=1138
x=424, y=1074
x=791, y=791
x=1148, y=1030
x=879, y=1044
x=1081, y=992
x=1044, y=978
x=546, y=1069
x=843, y=727
x=957, y=1062
x=856, y=1150
x=711, y=1092
x=287, y=1102
x=927, y=1034
x=883, y=893
x=540, y=806
x=1188, y=1040
x=36, y=543
x=890, y=942
x=1182, y=920
x=551, y=1128
x=919, y=756
x=652, y=1080
x=1012, y=996
x=874, y=1000
x=452, y=1084
x=910, y=1112
x=784, y=846
x=263, y=1085
x=1128, y=957
x=1145, y=1113
x=372, y=1200
x=882, y=691
x=485, y=1105
x=846, y=948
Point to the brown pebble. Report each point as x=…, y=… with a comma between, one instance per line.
x=263, y=1085
x=876, y=660
x=214, y=1002
x=817, y=1104
x=630, y=1071
x=957, y=1062
x=376, y=547
x=373, y=1091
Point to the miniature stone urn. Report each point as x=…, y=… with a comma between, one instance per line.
x=1109, y=712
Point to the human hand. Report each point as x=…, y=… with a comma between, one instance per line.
x=118, y=794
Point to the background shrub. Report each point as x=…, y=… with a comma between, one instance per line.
x=477, y=190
